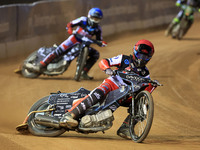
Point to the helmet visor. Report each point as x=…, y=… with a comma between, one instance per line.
x=95, y=19
x=144, y=52
x=142, y=56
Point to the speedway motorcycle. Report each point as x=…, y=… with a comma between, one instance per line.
x=59, y=66
x=44, y=116
x=180, y=29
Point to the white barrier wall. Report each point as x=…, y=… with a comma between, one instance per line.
x=26, y=27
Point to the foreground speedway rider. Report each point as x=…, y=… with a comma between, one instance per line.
x=86, y=26
x=182, y=4
x=142, y=53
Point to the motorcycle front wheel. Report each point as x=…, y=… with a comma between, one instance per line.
x=40, y=130
x=81, y=62
x=140, y=123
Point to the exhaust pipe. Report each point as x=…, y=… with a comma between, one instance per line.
x=47, y=121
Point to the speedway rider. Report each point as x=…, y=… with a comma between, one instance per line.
x=86, y=26
x=142, y=52
x=182, y=4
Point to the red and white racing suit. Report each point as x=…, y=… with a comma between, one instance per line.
x=122, y=63
x=64, y=48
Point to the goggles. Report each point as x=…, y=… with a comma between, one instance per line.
x=142, y=56
x=143, y=52
x=95, y=20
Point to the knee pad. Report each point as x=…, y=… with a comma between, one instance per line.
x=97, y=95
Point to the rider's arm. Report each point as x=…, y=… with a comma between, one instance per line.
x=69, y=28
x=99, y=34
x=73, y=23
x=104, y=64
x=107, y=63
x=146, y=74
x=180, y=2
x=99, y=37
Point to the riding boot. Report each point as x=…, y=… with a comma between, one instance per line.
x=123, y=131
x=69, y=119
x=85, y=76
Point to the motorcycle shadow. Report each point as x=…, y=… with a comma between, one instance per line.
x=92, y=137
x=191, y=39
x=169, y=139
x=69, y=78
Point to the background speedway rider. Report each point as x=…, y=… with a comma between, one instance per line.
x=182, y=4
x=87, y=26
x=142, y=53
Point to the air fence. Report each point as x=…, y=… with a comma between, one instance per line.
x=26, y=27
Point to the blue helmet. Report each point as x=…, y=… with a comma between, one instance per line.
x=94, y=16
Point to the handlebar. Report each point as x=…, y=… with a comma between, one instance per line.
x=136, y=78
x=155, y=82
x=87, y=39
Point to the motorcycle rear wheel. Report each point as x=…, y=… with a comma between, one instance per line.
x=81, y=62
x=40, y=130
x=140, y=123
x=27, y=73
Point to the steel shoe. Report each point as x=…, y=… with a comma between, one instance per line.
x=123, y=131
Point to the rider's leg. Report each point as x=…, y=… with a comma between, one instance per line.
x=60, y=50
x=191, y=20
x=69, y=119
x=123, y=131
x=97, y=95
x=93, y=57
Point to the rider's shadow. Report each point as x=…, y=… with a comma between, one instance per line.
x=55, y=78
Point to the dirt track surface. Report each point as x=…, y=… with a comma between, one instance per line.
x=176, y=125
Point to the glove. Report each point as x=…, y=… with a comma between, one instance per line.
x=156, y=83
x=109, y=72
x=103, y=44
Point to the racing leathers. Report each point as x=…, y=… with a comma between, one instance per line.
x=122, y=63
x=195, y=4
x=83, y=28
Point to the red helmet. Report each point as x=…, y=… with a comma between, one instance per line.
x=142, y=52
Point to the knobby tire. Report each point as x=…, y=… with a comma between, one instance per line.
x=81, y=61
x=137, y=120
x=40, y=130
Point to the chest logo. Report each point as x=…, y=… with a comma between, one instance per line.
x=126, y=61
